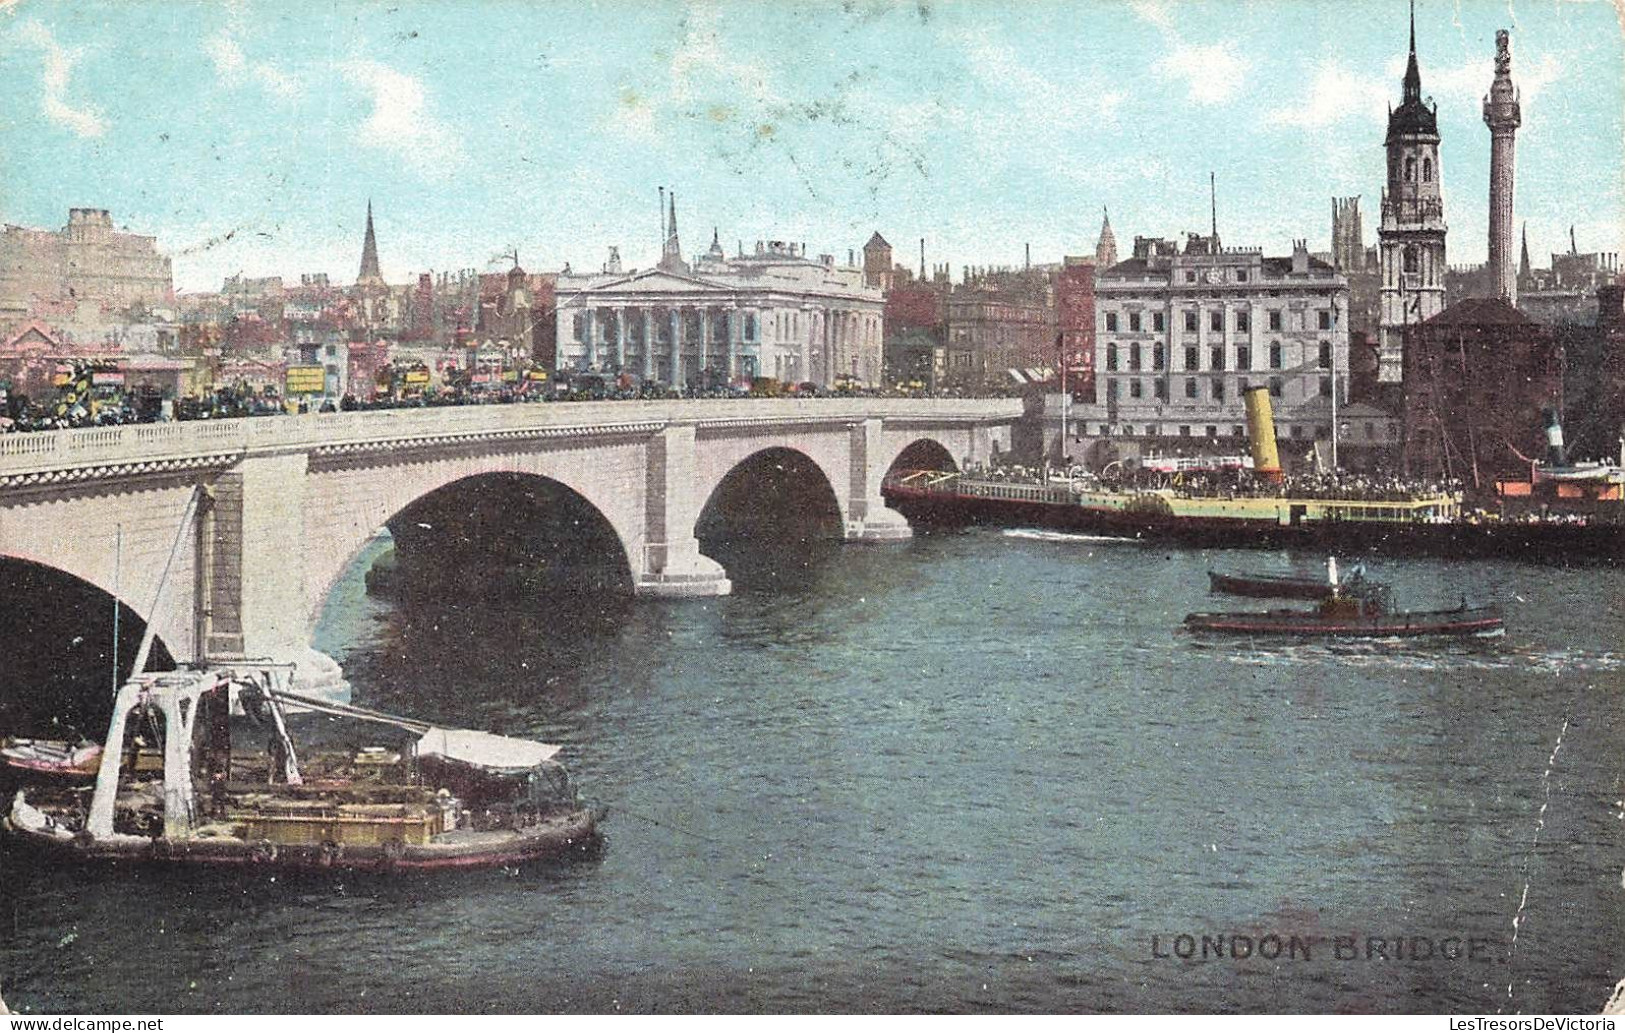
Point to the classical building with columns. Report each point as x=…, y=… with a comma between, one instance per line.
x=1181, y=334
x=771, y=313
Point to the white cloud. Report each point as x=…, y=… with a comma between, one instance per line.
x=231, y=65
x=400, y=120
x=1213, y=73
x=59, y=61
x=1335, y=94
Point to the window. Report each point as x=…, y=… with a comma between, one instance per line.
x=1190, y=276
x=1325, y=319
x=1135, y=389
x=1184, y=431
x=1410, y=170
x=1151, y=430
x=1218, y=389
x=1159, y=389
x=332, y=350
x=1215, y=320
x=1242, y=385
x=1410, y=258
x=1370, y=431
x=1275, y=387
x=1113, y=388
x=1111, y=356
x=1241, y=276
x=1156, y=322
x=1235, y=430
x=1105, y=431
x=1427, y=170
x=750, y=326
x=1275, y=319
x=1190, y=320
x=1216, y=353
x=1134, y=356
x=1190, y=387
x=1212, y=431
x=1156, y=356
x=1275, y=355
x=1111, y=321
x=1244, y=357
x=1325, y=387
x=1134, y=321
x=1325, y=355
x=1296, y=431
x=1243, y=321
x=1190, y=357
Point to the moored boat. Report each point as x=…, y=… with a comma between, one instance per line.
x=447, y=798
x=50, y=759
x=1270, y=586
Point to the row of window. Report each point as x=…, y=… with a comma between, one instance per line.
x=1192, y=388
x=1211, y=430
x=1243, y=320
x=1136, y=355
x=1294, y=430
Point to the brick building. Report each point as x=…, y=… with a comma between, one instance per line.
x=1478, y=377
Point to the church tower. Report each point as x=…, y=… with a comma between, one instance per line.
x=1106, y=247
x=369, y=275
x=1411, y=236
x=1503, y=115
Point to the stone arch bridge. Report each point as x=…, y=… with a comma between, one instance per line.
x=259, y=518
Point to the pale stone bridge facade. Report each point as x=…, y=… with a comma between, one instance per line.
x=270, y=512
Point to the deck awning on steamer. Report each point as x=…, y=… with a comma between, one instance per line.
x=483, y=749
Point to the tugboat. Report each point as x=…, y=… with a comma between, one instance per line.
x=448, y=798
x=1356, y=608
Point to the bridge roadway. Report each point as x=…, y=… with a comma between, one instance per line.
x=270, y=511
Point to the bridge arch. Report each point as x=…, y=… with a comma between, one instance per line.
x=370, y=496
x=923, y=453
x=57, y=658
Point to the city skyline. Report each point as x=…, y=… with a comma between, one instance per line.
x=253, y=142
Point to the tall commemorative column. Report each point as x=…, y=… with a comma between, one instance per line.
x=1503, y=115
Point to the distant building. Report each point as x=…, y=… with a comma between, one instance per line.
x=1565, y=291
x=1106, y=246
x=80, y=271
x=1181, y=334
x=877, y=263
x=774, y=313
x=999, y=323
x=1477, y=378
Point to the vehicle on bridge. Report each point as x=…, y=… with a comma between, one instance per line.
x=445, y=798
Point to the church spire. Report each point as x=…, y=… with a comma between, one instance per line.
x=671, y=253
x=1106, y=247
x=1523, y=262
x=370, y=276
x=1413, y=74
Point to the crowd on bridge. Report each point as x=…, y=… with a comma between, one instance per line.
x=105, y=407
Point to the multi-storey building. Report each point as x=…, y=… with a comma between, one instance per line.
x=771, y=313
x=1181, y=334
x=53, y=274
x=998, y=322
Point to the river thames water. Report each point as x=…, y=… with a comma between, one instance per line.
x=979, y=771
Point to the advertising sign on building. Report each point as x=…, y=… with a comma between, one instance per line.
x=306, y=380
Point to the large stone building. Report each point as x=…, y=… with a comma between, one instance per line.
x=999, y=323
x=56, y=275
x=1181, y=334
x=1411, y=238
x=773, y=312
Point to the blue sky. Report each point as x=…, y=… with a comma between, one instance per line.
x=248, y=136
